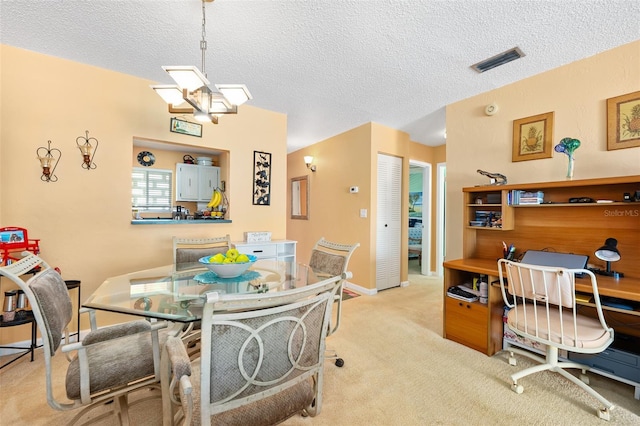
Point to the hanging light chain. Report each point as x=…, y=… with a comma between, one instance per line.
x=203, y=42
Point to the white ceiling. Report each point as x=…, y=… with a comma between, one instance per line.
x=329, y=65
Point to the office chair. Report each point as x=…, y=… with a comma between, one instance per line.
x=109, y=363
x=329, y=259
x=543, y=309
x=261, y=360
x=187, y=251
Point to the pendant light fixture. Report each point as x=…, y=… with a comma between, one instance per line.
x=192, y=87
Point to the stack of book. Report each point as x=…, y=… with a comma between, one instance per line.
x=517, y=197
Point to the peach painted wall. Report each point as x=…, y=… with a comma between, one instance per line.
x=342, y=161
x=83, y=220
x=333, y=211
x=577, y=93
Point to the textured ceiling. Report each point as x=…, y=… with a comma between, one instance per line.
x=329, y=65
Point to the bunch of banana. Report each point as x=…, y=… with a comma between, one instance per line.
x=216, y=199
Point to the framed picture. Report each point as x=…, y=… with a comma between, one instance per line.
x=186, y=127
x=623, y=121
x=533, y=137
x=261, y=178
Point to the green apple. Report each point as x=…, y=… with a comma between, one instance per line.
x=217, y=258
x=228, y=260
x=242, y=258
x=232, y=253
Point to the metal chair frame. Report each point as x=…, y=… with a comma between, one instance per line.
x=543, y=309
x=32, y=264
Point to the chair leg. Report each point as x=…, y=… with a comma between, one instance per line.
x=122, y=409
x=602, y=413
x=551, y=363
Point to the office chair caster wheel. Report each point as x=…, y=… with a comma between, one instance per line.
x=517, y=388
x=584, y=378
x=604, y=414
x=339, y=362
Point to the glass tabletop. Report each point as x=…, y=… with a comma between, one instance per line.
x=164, y=293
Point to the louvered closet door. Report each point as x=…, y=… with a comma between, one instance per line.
x=389, y=219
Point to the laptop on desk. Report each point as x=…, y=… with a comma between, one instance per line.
x=550, y=258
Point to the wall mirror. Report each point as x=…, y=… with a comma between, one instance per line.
x=300, y=198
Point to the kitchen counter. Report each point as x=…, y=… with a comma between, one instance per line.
x=179, y=222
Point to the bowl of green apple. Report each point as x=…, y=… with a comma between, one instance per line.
x=231, y=264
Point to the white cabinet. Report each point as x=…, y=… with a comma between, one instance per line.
x=283, y=250
x=195, y=182
x=208, y=180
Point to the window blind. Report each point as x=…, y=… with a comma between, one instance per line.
x=151, y=189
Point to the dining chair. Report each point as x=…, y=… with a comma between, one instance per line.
x=542, y=307
x=261, y=361
x=109, y=362
x=187, y=251
x=329, y=259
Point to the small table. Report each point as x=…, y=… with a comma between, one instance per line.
x=22, y=317
x=165, y=294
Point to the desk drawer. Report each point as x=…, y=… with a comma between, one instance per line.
x=466, y=323
x=259, y=250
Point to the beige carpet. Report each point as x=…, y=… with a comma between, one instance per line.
x=398, y=371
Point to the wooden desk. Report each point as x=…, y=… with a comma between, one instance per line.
x=627, y=288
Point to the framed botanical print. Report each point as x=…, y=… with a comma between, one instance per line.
x=623, y=121
x=533, y=137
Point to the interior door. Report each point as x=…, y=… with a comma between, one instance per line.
x=389, y=222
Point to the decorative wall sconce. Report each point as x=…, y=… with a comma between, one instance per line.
x=85, y=147
x=609, y=253
x=308, y=159
x=48, y=161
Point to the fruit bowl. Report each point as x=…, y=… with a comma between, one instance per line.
x=228, y=270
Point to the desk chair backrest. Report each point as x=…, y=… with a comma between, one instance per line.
x=543, y=304
x=187, y=251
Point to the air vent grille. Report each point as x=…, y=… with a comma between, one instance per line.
x=499, y=59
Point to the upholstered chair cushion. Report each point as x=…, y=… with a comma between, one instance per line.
x=53, y=298
x=328, y=263
x=117, y=362
x=269, y=411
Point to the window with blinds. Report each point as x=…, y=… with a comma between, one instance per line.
x=151, y=189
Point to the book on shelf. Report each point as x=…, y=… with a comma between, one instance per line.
x=517, y=197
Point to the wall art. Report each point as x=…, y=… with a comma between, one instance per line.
x=186, y=127
x=533, y=137
x=261, y=178
x=623, y=121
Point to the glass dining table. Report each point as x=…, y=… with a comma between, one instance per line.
x=166, y=294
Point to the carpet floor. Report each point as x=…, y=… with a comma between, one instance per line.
x=398, y=371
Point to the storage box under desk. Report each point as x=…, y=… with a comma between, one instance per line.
x=621, y=359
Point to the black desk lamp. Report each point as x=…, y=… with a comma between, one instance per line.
x=609, y=253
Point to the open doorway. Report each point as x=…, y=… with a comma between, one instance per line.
x=420, y=202
x=441, y=184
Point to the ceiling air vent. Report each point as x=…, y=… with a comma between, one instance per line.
x=499, y=59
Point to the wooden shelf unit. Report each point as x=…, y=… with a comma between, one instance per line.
x=559, y=226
